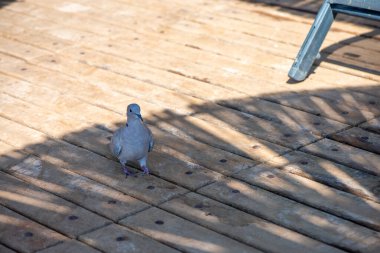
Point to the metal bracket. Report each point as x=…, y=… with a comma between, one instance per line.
x=322, y=23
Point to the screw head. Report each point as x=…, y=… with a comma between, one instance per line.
x=121, y=238
x=111, y=201
x=73, y=217
x=159, y=222
x=28, y=234
x=199, y=206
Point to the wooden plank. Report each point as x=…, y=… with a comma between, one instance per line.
x=277, y=131
x=78, y=189
x=230, y=73
x=138, y=11
x=330, y=109
x=304, y=8
x=294, y=118
x=329, y=173
x=198, y=153
x=50, y=44
x=242, y=226
x=28, y=52
x=280, y=133
x=277, y=114
x=9, y=156
x=200, y=130
x=372, y=125
x=118, y=239
x=364, y=102
x=371, y=90
x=255, y=47
x=169, y=229
x=170, y=81
x=4, y=249
x=257, y=50
x=242, y=9
x=247, y=10
x=263, y=106
x=321, y=75
x=217, y=160
x=47, y=209
x=222, y=138
x=195, y=152
x=25, y=235
x=268, y=70
x=296, y=216
x=95, y=139
x=77, y=159
x=314, y=194
x=360, y=138
x=170, y=144
x=164, y=165
x=350, y=156
x=69, y=247
x=257, y=26
x=300, y=22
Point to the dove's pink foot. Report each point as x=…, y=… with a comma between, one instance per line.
x=126, y=171
x=145, y=170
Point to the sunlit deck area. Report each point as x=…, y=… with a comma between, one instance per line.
x=245, y=160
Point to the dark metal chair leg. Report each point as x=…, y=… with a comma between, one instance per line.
x=310, y=48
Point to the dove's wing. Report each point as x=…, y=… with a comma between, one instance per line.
x=116, y=142
x=151, y=140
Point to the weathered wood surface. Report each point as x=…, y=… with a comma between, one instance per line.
x=244, y=160
x=241, y=225
x=25, y=235
x=189, y=237
x=372, y=125
x=313, y=193
x=6, y=249
x=330, y=173
x=69, y=247
x=290, y=214
x=118, y=239
x=345, y=154
x=360, y=138
x=47, y=209
x=78, y=189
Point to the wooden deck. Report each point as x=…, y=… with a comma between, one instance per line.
x=245, y=160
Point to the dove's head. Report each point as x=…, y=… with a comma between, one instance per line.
x=133, y=111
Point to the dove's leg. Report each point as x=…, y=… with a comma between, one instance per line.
x=145, y=170
x=143, y=166
x=125, y=169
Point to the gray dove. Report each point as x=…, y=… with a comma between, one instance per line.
x=133, y=141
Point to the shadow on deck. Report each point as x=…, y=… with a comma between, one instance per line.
x=214, y=152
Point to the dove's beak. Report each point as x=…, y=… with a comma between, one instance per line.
x=139, y=115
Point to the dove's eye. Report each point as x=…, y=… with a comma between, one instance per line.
x=130, y=110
